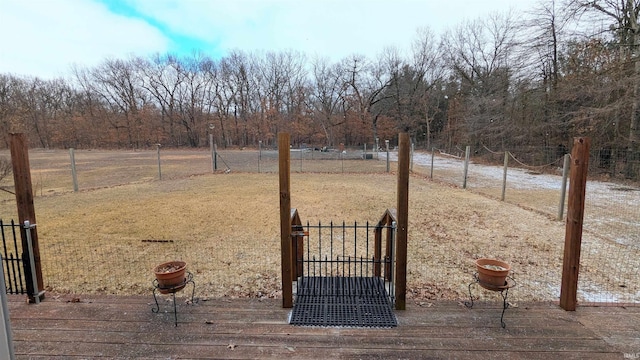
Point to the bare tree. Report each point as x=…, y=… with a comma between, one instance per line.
x=546, y=27
x=240, y=67
x=366, y=83
x=481, y=55
x=546, y=30
x=429, y=71
x=328, y=89
x=5, y=168
x=162, y=76
x=280, y=85
x=622, y=17
x=191, y=96
x=119, y=86
x=10, y=88
x=221, y=97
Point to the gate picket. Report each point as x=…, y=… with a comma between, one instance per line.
x=12, y=263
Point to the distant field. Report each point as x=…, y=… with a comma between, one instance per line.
x=51, y=169
x=226, y=226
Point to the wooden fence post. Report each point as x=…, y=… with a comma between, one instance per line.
x=26, y=211
x=297, y=241
x=386, y=142
x=433, y=154
x=504, y=175
x=213, y=155
x=403, y=220
x=412, y=151
x=467, y=152
x=563, y=188
x=74, y=174
x=377, y=250
x=159, y=164
x=575, y=216
x=286, y=251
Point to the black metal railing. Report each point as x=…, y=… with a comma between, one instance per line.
x=12, y=259
x=348, y=260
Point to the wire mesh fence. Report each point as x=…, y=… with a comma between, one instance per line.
x=123, y=266
x=610, y=254
x=52, y=169
x=610, y=260
x=611, y=237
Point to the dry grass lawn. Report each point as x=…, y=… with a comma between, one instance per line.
x=226, y=226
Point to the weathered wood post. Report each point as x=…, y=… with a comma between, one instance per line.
x=297, y=241
x=159, y=164
x=385, y=223
x=286, y=251
x=575, y=216
x=433, y=154
x=215, y=156
x=504, y=175
x=413, y=148
x=467, y=152
x=74, y=174
x=377, y=249
x=259, y=154
x=213, y=166
x=386, y=142
x=403, y=220
x=26, y=211
x=563, y=188
x=388, y=251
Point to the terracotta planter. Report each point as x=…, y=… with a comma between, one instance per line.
x=170, y=274
x=492, y=272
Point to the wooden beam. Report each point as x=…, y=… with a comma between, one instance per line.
x=388, y=250
x=297, y=236
x=377, y=250
x=285, y=219
x=575, y=216
x=19, y=145
x=403, y=221
x=387, y=219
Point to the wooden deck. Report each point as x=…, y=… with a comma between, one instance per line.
x=93, y=327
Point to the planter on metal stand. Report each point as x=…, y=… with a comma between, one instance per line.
x=171, y=277
x=493, y=275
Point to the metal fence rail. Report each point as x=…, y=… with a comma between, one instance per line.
x=340, y=251
x=12, y=260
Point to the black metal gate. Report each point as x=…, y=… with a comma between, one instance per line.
x=14, y=266
x=342, y=276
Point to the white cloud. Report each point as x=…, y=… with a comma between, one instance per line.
x=45, y=38
x=330, y=27
x=334, y=28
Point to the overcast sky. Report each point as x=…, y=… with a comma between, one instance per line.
x=45, y=37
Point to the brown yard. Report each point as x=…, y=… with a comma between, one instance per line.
x=107, y=237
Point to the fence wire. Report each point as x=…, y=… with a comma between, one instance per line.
x=610, y=258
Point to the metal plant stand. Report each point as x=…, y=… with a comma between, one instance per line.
x=504, y=292
x=188, y=279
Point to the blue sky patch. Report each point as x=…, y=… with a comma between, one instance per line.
x=181, y=45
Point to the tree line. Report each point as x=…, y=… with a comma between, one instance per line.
x=567, y=69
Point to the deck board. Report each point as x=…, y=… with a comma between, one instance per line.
x=125, y=327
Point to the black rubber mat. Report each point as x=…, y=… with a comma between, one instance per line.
x=342, y=301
